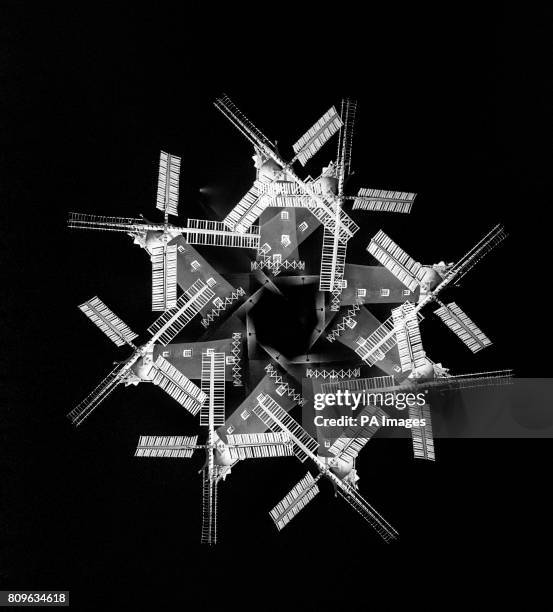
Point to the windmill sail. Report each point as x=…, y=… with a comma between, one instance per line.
x=393, y=258
x=354, y=438
x=345, y=141
x=96, y=397
x=379, y=383
x=293, y=502
x=248, y=210
x=177, y=385
x=259, y=445
x=471, y=381
x=333, y=260
x=463, y=327
x=317, y=136
x=106, y=224
x=374, y=347
x=423, y=442
x=408, y=336
x=382, y=200
x=213, y=389
x=284, y=193
x=164, y=277
x=216, y=233
x=174, y=447
x=492, y=239
x=377, y=522
x=114, y=328
x=190, y=303
x=277, y=419
x=240, y=121
x=168, y=183
x=382, y=339
x=209, y=508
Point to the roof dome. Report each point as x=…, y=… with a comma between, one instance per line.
x=329, y=185
x=341, y=467
x=222, y=454
x=270, y=169
x=143, y=368
x=153, y=239
x=430, y=279
x=424, y=372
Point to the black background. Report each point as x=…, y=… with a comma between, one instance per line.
x=452, y=106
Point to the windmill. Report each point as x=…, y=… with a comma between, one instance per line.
x=304, y=447
x=156, y=238
x=430, y=375
x=432, y=282
x=272, y=169
x=278, y=185
x=434, y=376
x=140, y=367
x=275, y=433
x=218, y=454
x=333, y=257
x=423, y=374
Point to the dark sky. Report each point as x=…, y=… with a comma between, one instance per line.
x=453, y=105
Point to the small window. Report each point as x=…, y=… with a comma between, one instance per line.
x=166, y=353
x=385, y=292
x=303, y=226
x=217, y=302
x=397, y=368
x=230, y=360
x=284, y=215
x=265, y=248
x=361, y=293
x=351, y=323
x=187, y=353
x=230, y=429
x=343, y=283
x=327, y=444
x=277, y=258
x=406, y=292
x=285, y=240
x=211, y=281
x=361, y=341
x=245, y=414
x=195, y=265
x=281, y=390
x=181, y=249
x=210, y=351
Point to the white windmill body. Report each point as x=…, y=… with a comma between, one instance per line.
x=272, y=432
x=406, y=269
